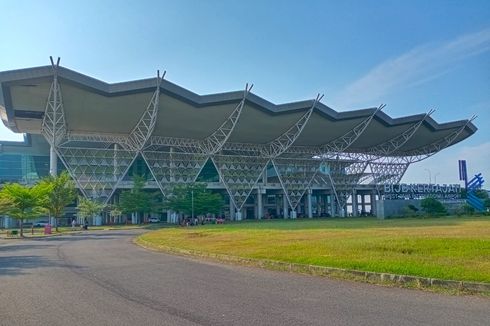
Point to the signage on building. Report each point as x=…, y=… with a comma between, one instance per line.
x=421, y=190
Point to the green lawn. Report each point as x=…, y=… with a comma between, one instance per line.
x=456, y=248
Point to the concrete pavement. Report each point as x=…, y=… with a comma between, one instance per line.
x=101, y=278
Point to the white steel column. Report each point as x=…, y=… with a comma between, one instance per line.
x=333, y=208
x=260, y=208
x=285, y=207
x=294, y=214
x=363, y=203
x=354, y=203
x=310, y=208
x=53, y=161
x=232, y=209
x=373, y=203
x=319, y=201
x=114, y=163
x=278, y=205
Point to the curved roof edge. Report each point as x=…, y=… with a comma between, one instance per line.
x=148, y=84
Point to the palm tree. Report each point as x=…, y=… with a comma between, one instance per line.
x=62, y=193
x=22, y=202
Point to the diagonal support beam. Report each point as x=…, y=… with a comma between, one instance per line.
x=284, y=141
x=74, y=140
x=144, y=128
x=343, y=142
x=390, y=146
x=295, y=177
x=239, y=175
x=214, y=142
x=54, y=125
x=334, y=148
x=211, y=144
x=239, y=184
x=431, y=149
x=389, y=173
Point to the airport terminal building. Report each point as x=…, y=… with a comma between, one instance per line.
x=267, y=160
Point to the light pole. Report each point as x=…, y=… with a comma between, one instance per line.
x=430, y=178
x=435, y=177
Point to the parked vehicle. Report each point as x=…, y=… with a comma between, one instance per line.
x=41, y=224
x=154, y=220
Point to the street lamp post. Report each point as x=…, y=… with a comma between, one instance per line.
x=435, y=177
x=430, y=178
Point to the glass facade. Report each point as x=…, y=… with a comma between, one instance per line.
x=208, y=173
x=23, y=168
x=138, y=168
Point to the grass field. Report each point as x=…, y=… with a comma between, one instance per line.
x=456, y=248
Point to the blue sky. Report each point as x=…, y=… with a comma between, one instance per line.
x=411, y=55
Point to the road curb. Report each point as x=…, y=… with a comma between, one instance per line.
x=41, y=236
x=357, y=275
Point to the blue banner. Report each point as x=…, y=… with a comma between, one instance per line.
x=463, y=176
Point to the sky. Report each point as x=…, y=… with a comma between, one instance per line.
x=412, y=56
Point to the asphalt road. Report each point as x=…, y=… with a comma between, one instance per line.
x=101, y=278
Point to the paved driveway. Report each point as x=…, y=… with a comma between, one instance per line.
x=101, y=278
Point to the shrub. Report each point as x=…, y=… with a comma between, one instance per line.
x=432, y=206
x=469, y=210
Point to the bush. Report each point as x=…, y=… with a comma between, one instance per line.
x=432, y=206
x=470, y=210
x=410, y=210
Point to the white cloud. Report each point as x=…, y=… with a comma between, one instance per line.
x=7, y=134
x=444, y=165
x=417, y=66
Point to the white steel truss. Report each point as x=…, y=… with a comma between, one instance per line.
x=389, y=173
x=212, y=143
x=96, y=171
x=346, y=174
x=295, y=176
x=330, y=150
x=254, y=160
x=343, y=142
x=182, y=144
x=96, y=140
x=144, y=128
x=343, y=172
x=435, y=147
x=239, y=175
x=281, y=144
x=390, y=146
x=99, y=162
x=54, y=125
x=171, y=168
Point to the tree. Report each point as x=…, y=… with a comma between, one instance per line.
x=136, y=200
x=115, y=212
x=482, y=194
x=194, y=198
x=22, y=202
x=62, y=193
x=432, y=206
x=89, y=208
